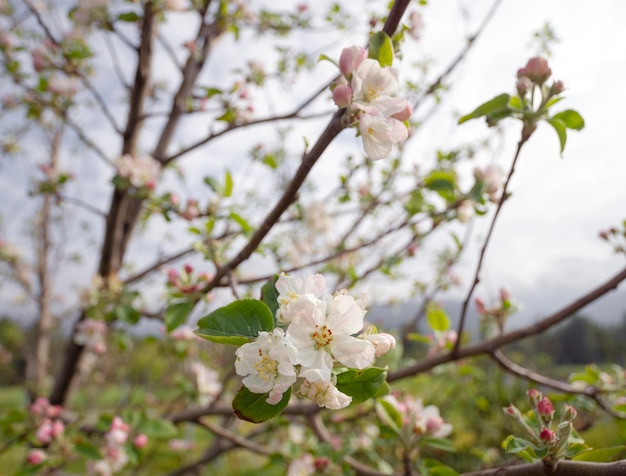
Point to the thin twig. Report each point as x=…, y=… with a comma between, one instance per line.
x=483, y=250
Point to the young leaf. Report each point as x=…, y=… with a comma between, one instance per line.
x=176, y=314
x=269, y=294
x=243, y=223
x=228, y=184
x=437, y=318
x=364, y=384
x=158, y=428
x=496, y=108
x=390, y=415
x=237, y=323
x=381, y=48
x=572, y=119
x=324, y=57
x=127, y=314
x=561, y=131
x=253, y=407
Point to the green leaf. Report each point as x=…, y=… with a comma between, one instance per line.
x=381, y=48
x=212, y=183
x=324, y=57
x=390, y=415
x=228, y=184
x=129, y=17
x=515, y=102
x=561, y=131
x=572, y=119
x=243, y=223
x=127, y=314
x=415, y=203
x=418, y=338
x=438, y=443
x=158, y=428
x=252, y=407
x=88, y=450
x=176, y=314
x=364, y=384
x=237, y=323
x=494, y=108
x=269, y=294
x=437, y=318
x=521, y=447
x=432, y=467
x=602, y=455
x=210, y=92
x=441, y=180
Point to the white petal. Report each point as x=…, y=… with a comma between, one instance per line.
x=353, y=353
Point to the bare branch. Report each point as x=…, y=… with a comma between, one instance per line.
x=489, y=346
x=563, y=468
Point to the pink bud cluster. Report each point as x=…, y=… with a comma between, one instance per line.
x=114, y=454
x=191, y=210
x=534, y=75
x=186, y=282
x=498, y=312
x=417, y=420
x=367, y=90
x=541, y=424
x=615, y=237
x=492, y=179
x=442, y=340
x=140, y=171
x=47, y=417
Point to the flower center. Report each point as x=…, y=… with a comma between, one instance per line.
x=322, y=336
x=266, y=367
x=289, y=296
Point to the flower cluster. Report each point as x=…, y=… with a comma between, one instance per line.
x=115, y=457
x=367, y=89
x=551, y=440
x=207, y=382
x=91, y=333
x=495, y=316
x=47, y=418
x=410, y=419
x=140, y=172
x=318, y=333
x=186, y=282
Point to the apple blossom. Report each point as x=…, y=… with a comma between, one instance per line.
x=380, y=133
x=291, y=288
x=325, y=394
x=140, y=171
x=267, y=364
x=207, y=381
x=323, y=330
x=91, y=334
x=536, y=69
x=342, y=95
x=382, y=342
x=302, y=466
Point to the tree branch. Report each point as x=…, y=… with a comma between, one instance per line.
x=563, y=468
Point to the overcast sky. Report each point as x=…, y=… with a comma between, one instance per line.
x=546, y=241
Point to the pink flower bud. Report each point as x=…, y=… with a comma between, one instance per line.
x=545, y=407
x=39, y=406
x=568, y=413
x=350, y=59
x=172, y=277
x=140, y=441
x=523, y=85
x=505, y=294
x=557, y=88
x=342, y=95
x=537, y=70
x=480, y=306
x=547, y=436
x=512, y=410
x=188, y=268
x=321, y=464
x=36, y=457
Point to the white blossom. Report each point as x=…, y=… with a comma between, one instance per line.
x=379, y=133
x=382, y=342
x=207, y=382
x=267, y=364
x=291, y=288
x=323, y=332
x=140, y=171
x=325, y=394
